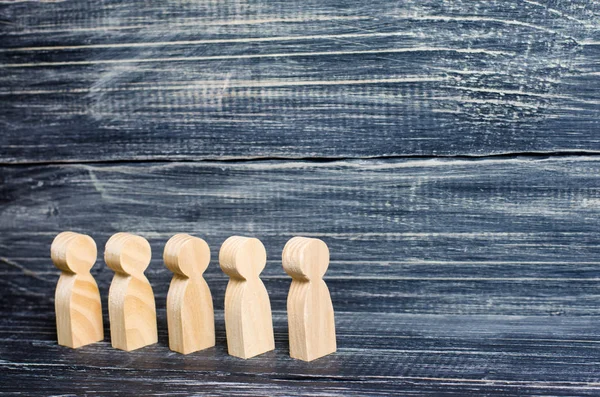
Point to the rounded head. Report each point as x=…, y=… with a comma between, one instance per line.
x=186, y=255
x=127, y=253
x=305, y=258
x=73, y=252
x=242, y=257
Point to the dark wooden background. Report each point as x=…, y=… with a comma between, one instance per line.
x=447, y=151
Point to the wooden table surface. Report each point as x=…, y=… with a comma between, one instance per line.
x=448, y=152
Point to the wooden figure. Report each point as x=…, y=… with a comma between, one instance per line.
x=248, y=321
x=190, y=315
x=131, y=307
x=77, y=298
x=310, y=311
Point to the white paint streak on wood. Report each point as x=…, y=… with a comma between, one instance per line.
x=478, y=19
x=213, y=41
x=564, y=15
x=196, y=85
x=193, y=22
x=483, y=262
x=489, y=101
x=257, y=56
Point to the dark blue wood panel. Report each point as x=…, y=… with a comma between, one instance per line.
x=447, y=276
x=108, y=80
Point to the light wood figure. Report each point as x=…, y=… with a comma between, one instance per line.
x=248, y=321
x=190, y=315
x=310, y=311
x=131, y=307
x=77, y=298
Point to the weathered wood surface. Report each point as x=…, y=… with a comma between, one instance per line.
x=447, y=276
x=111, y=80
x=395, y=354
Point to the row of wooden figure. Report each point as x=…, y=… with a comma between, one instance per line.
x=190, y=316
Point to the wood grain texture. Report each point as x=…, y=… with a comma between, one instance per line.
x=131, y=306
x=447, y=276
x=77, y=298
x=247, y=309
x=190, y=313
x=238, y=79
x=311, y=322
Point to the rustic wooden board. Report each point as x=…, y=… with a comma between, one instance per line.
x=331, y=119
x=110, y=80
x=401, y=355
x=448, y=276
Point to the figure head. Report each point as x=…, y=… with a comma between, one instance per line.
x=127, y=253
x=73, y=252
x=186, y=255
x=305, y=258
x=242, y=257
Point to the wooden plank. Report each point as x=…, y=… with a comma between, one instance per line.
x=219, y=80
x=447, y=276
x=410, y=353
x=506, y=237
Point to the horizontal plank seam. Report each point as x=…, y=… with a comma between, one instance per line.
x=533, y=156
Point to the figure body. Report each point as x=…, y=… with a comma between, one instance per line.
x=77, y=298
x=190, y=314
x=248, y=320
x=310, y=310
x=131, y=306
